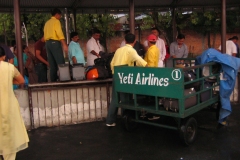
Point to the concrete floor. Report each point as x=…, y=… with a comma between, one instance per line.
x=95, y=141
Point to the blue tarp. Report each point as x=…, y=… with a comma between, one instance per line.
x=230, y=66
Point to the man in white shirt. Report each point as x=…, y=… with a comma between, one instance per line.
x=161, y=46
x=93, y=47
x=231, y=48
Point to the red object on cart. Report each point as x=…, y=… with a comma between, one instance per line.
x=167, y=53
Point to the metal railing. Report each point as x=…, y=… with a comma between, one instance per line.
x=63, y=103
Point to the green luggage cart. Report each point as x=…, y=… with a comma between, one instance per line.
x=145, y=87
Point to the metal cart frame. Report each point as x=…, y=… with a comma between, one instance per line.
x=162, y=83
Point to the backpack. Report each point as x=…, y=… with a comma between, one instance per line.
x=101, y=69
x=139, y=48
x=96, y=72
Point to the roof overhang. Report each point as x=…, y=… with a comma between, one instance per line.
x=114, y=6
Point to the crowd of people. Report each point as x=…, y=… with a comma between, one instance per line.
x=154, y=57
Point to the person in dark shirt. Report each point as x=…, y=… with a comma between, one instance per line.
x=137, y=46
x=8, y=52
x=42, y=63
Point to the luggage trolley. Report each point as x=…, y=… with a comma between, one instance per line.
x=166, y=92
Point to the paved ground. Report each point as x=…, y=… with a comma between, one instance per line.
x=94, y=141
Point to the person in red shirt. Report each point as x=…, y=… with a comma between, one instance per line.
x=42, y=64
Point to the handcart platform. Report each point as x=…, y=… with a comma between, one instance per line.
x=166, y=93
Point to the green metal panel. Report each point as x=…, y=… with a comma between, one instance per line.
x=162, y=82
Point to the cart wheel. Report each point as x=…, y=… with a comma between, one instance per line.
x=128, y=121
x=188, y=131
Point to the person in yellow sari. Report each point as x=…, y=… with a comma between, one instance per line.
x=13, y=134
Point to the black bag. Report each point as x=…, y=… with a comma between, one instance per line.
x=108, y=64
x=99, y=62
x=103, y=66
x=190, y=76
x=173, y=105
x=63, y=72
x=139, y=48
x=102, y=72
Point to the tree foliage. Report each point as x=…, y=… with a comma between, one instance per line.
x=206, y=22
x=7, y=26
x=233, y=20
x=202, y=22
x=35, y=23
x=163, y=21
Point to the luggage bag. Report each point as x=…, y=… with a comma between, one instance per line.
x=173, y=104
x=63, y=72
x=204, y=96
x=78, y=72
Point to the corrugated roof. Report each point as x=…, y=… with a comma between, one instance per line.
x=111, y=6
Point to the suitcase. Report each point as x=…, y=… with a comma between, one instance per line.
x=78, y=72
x=173, y=105
x=63, y=72
x=204, y=96
x=190, y=76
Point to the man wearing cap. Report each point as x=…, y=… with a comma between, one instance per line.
x=160, y=45
x=231, y=48
x=152, y=54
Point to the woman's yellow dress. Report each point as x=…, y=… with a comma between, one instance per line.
x=13, y=135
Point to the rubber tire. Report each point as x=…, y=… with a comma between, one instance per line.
x=127, y=121
x=188, y=131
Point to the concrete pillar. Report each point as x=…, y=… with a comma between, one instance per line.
x=18, y=35
x=174, y=26
x=74, y=20
x=131, y=17
x=66, y=17
x=223, y=29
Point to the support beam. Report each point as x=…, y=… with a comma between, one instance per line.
x=131, y=16
x=75, y=20
x=66, y=17
x=18, y=35
x=223, y=28
x=174, y=25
